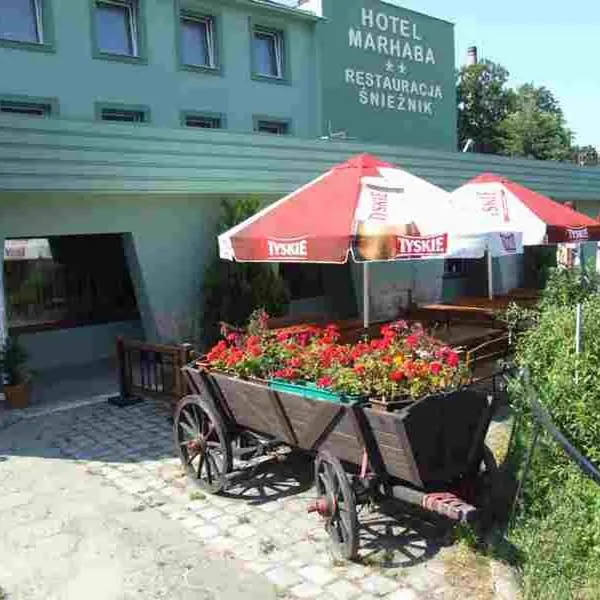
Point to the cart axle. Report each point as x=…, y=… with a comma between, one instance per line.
x=323, y=507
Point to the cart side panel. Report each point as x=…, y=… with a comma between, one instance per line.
x=394, y=445
x=446, y=434
x=344, y=441
x=254, y=406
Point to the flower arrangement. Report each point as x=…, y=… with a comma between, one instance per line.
x=404, y=363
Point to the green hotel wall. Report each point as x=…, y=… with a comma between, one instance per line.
x=162, y=188
x=168, y=242
x=72, y=75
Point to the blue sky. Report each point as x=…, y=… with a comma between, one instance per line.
x=544, y=42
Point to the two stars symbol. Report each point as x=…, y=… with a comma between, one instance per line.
x=390, y=67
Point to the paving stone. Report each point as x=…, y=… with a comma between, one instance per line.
x=403, y=594
x=227, y=522
x=378, y=585
x=243, y=531
x=306, y=590
x=283, y=577
x=317, y=574
x=342, y=590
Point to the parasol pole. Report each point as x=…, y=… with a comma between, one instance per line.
x=490, y=272
x=366, y=298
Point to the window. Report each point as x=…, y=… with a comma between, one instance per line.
x=303, y=280
x=67, y=281
x=124, y=114
x=117, y=28
x=273, y=127
x=21, y=21
x=456, y=267
x=27, y=107
x=198, y=47
x=267, y=49
x=203, y=121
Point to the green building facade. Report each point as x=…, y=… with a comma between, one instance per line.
x=119, y=148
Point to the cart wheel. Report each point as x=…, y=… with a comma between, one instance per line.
x=203, y=443
x=337, y=505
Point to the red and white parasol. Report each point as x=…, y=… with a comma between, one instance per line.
x=371, y=210
x=514, y=207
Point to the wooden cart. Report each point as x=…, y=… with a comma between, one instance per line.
x=428, y=453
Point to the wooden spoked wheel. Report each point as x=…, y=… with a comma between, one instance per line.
x=203, y=443
x=336, y=504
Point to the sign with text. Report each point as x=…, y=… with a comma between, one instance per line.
x=387, y=74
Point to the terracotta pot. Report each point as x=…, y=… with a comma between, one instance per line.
x=18, y=396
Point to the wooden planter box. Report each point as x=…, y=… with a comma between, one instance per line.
x=429, y=442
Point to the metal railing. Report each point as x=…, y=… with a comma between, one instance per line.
x=543, y=423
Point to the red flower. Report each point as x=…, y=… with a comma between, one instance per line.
x=388, y=332
x=377, y=345
x=435, y=368
x=234, y=338
x=359, y=350
x=360, y=370
x=325, y=382
x=397, y=376
x=234, y=358
x=255, y=351
x=296, y=362
x=412, y=341
x=453, y=359
x=387, y=360
x=283, y=336
x=289, y=374
x=253, y=340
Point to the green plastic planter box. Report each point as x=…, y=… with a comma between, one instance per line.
x=312, y=391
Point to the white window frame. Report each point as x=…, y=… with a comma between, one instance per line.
x=131, y=7
x=39, y=21
x=278, y=46
x=210, y=34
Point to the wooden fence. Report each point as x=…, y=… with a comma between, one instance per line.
x=152, y=370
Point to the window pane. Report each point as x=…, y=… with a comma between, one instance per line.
x=113, y=29
x=18, y=21
x=204, y=122
x=275, y=127
x=68, y=280
x=123, y=115
x=196, y=42
x=25, y=108
x=265, y=54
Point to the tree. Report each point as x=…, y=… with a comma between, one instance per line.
x=535, y=127
x=484, y=102
x=232, y=291
x=585, y=156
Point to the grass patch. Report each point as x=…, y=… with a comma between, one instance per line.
x=468, y=573
x=3, y=594
x=195, y=495
x=243, y=519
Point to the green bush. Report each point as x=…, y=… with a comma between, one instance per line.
x=558, y=529
x=232, y=291
x=569, y=385
x=568, y=287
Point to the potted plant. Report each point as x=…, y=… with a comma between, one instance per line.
x=15, y=375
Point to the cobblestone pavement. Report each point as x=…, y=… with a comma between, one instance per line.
x=261, y=522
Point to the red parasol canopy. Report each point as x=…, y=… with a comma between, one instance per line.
x=371, y=209
x=518, y=208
